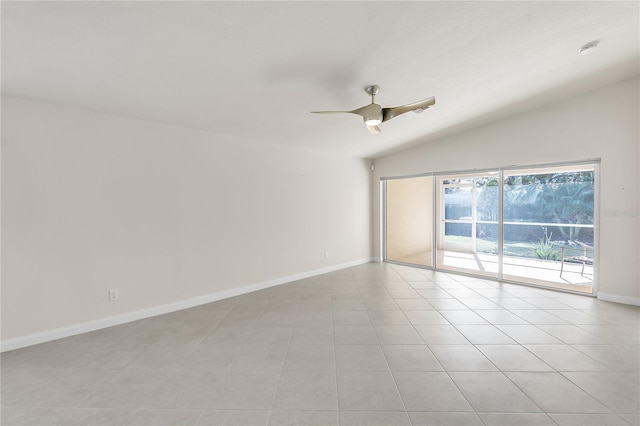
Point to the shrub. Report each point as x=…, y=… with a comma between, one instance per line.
x=545, y=249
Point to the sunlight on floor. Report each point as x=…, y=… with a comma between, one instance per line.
x=530, y=271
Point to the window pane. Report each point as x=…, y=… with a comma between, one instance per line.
x=550, y=198
x=410, y=220
x=487, y=238
x=457, y=233
x=487, y=200
x=457, y=203
x=467, y=234
x=548, y=227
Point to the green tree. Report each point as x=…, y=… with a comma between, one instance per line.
x=567, y=198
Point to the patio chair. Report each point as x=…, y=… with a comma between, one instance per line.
x=584, y=259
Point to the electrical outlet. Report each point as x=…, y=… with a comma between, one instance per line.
x=326, y=255
x=113, y=295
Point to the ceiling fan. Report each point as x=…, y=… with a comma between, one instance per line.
x=374, y=114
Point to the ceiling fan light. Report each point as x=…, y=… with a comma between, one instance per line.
x=372, y=121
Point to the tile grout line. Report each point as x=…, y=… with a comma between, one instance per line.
x=393, y=377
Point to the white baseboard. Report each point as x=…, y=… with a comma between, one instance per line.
x=59, y=333
x=607, y=297
x=376, y=259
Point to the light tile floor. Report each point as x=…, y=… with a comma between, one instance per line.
x=374, y=344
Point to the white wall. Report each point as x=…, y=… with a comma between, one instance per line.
x=92, y=202
x=603, y=123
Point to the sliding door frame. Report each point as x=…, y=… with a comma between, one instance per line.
x=383, y=213
x=501, y=171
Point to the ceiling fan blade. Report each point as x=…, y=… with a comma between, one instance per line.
x=331, y=112
x=389, y=113
x=374, y=129
x=369, y=111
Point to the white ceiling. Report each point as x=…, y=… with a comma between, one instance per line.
x=256, y=69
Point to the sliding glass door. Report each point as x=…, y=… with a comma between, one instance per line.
x=529, y=225
x=467, y=237
x=549, y=226
x=409, y=220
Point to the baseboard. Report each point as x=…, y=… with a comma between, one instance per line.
x=619, y=299
x=59, y=333
x=376, y=259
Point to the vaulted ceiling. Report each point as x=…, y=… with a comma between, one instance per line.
x=255, y=69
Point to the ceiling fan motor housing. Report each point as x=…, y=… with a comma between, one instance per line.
x=372, y=114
